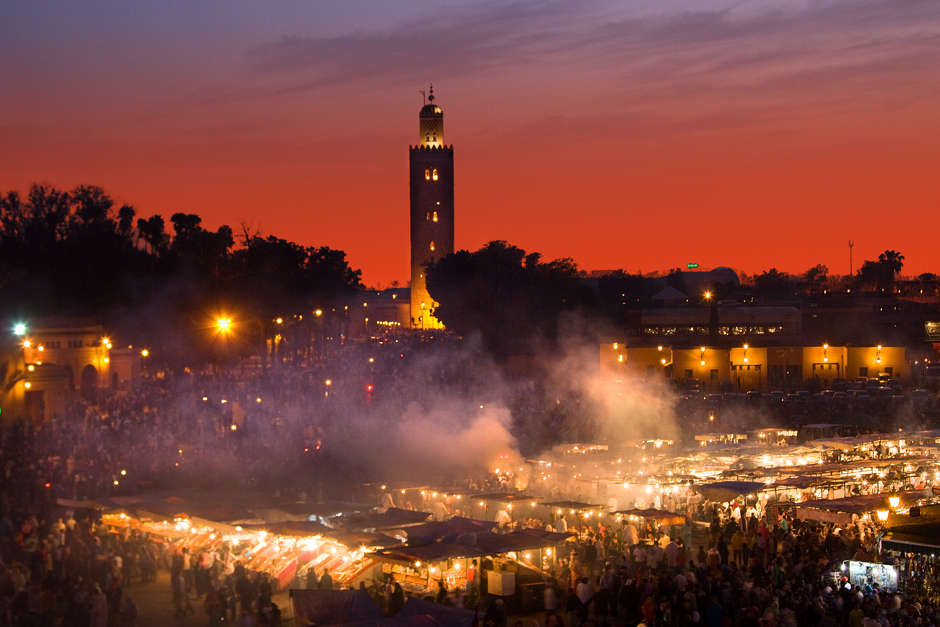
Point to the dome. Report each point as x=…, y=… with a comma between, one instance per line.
x=431, y=110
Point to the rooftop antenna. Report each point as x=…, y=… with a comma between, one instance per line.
x=423, y=96
x=851, y=244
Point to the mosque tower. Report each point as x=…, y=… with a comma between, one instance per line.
x=432, y=208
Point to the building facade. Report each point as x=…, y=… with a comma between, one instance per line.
x=754, y=366
x=432, y=208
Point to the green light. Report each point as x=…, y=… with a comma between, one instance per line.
x=692, y=265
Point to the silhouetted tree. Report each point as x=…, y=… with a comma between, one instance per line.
x=816, y=276
x=892, y=260
x=880, y=274
x=676, y=281
x=512, y=299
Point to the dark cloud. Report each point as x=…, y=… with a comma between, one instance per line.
x=821, y=51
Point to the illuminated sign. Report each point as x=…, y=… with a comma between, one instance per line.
x=932, y=331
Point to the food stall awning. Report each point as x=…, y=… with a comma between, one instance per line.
x=800, y=482
x=522, y=540
x=728, y=490
x=911, y=543
x=661, y=516
x=392, y=518
x=859, y=465
x=359, y=539
x=575, y=505
x=455, y=526
x=304, y=528
x=841, y=510
x=485, y=544
x=850, y=443
x=505, y=497
x=328, y=509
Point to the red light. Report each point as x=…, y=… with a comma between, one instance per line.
x=48, y=485
x=369, y=387
x=177, y=463
x=306, y=449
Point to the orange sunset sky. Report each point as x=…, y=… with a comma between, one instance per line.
x=641, y=135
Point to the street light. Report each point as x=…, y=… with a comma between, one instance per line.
x=882, y=512
x=894, y=500
x=224, y=325
x=19, y=329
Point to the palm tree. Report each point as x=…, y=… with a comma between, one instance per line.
x=893, y=260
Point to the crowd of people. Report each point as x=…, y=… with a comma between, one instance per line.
x=748, y=573
x=203, y=432
x=71, y=572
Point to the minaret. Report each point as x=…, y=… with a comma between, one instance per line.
x=432, y=208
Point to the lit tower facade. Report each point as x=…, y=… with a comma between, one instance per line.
x=432, y=208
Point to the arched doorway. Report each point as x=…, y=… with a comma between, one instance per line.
x=89, y=386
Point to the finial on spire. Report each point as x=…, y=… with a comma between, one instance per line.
x=431, y=94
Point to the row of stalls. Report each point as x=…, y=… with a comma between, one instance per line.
x=354, y=543
x=654, y=474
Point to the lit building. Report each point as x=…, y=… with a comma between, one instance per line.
x=753, y=366
x=432, y=208
x=80, y=346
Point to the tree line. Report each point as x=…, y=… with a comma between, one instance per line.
x=519, y=304
x=76, y=253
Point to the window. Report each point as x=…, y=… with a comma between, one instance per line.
x=429, y=215
x=432, y=245
x=434, y=174
x=713, y=375
x=863, y=371
x=688, y=374
x=889, y=370
x=435, y=137
x=427, y=137
x=427, y=175
x=435, y=216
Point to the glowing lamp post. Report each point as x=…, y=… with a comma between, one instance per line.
x=894, y=500
x=882, y=512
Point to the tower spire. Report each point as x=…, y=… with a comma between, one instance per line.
x=431, y=94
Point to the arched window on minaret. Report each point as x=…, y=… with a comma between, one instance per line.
x=427, y=175
x=432, y=245
x=427, y=137
x=434, y=174
x=435, y=136
x=435, y=216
